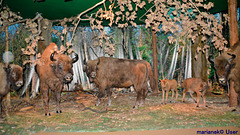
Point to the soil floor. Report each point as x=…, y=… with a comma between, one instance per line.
x=81, y=116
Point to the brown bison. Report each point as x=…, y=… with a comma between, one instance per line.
x=54, y=70
x=227, y=67
x=108, y=73
x=197, y=85
x=166, y=86
x=11, y=79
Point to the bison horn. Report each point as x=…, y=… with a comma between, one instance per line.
x=51, y=57
x=84, y=61
x=210, y=59
x=98, y=61
x=75, y=59
x=233, y=56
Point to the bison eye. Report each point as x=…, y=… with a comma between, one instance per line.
x=60, y=66
x=13, y=75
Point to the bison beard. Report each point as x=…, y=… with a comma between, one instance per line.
x=54, y=70
x=11, y=77
x=227, y=67
x=108, y=73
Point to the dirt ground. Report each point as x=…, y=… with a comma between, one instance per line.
x=81, y=115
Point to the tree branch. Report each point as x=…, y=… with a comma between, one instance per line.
x=84, y=12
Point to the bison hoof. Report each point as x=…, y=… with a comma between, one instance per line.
x=59, y=111
x=135, y=107
x=47, y=114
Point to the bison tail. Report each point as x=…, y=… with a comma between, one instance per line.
x=152, y=83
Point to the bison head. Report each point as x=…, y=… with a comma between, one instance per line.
x=164, y=84
x=15, y=76
x=90, y=67
x=62, y=67
x=223, y=65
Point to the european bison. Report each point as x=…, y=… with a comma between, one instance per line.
x=197, y=85
x=166, y=86
x=108, y=73
x=11, y=79
x=54, y=70
x=227, y=67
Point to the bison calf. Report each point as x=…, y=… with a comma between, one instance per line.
x=197, y=85
x=11, y=78
x=166, y=86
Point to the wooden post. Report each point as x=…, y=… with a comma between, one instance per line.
x=155, y=59
x=7, y=49
x=233, y=32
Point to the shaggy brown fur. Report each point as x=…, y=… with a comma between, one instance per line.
x=166, y=86
x=53, y=74
x=227, y=67
x=11, y=77
x=197, y=85
x=107, y=73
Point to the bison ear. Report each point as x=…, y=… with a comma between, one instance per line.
x=53, y=65
x=232, y=58
x=84, y=61
x=84, y=68
x=8, y=68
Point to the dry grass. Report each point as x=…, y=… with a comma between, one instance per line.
x=120, y=116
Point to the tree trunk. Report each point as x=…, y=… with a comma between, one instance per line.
x=155, y=60
x=7, y=49
x=46, y=27
x=233, y=32
x=199, y=63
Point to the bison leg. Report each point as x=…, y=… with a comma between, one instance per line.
x=139, y=96
x=238, y=99
x=191, y=94
x=58, y=98
x=1, y=117
x=184, y=93
x=176, y=94
x=172, y=95
x=204, y=100
x=166, y=96
x=144, y=95
x=198, y=98
x=109, y=94
x=98, y=102
x=163, y=93
x=45, y=92
x=100, y=95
